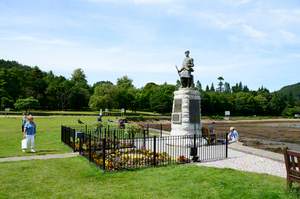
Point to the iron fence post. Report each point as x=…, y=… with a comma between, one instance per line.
x=226, y=145
x=103, y=153
x=144, y=138
x=194, y=149
x=80, y=144
x=74, y=140
x=90, y=146
x=154, y=150
x=161, y=128
x=61, y=133
x=114, y=139
x=69, y=137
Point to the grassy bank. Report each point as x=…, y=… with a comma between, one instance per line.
x=76, y=178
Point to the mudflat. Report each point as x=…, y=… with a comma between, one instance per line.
x=268, y=134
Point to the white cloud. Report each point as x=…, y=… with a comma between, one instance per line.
x=288, y=36
x=137, y=2
x=253, y=33
x=237, y=2
x=152, y=1
x=31, y=39
x=285, y=16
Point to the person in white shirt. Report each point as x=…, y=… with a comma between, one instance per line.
x=233, y=135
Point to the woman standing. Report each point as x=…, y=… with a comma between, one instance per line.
x=29, y=132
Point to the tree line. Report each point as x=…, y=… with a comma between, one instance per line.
x=24, y=87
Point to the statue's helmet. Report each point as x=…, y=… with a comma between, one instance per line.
x=187, y=52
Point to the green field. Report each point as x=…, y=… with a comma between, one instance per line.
x=47, y=138
x=76, y=178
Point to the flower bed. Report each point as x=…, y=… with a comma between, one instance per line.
x=129, y=159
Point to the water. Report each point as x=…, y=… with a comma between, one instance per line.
x=276, y=144
x=281, y=125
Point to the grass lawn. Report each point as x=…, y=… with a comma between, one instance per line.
x=76, y=178
x=48, y=134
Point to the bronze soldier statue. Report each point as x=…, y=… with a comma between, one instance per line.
x=185, y=73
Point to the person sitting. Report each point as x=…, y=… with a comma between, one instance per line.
x=121, y=124
x=233, y=135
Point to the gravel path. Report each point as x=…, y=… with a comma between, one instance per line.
x=38, y=157
x=249, y=162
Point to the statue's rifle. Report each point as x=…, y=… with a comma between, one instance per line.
x=177, y=70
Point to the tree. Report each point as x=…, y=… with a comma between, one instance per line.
x=125, y=93
x=199, y=86
x=261, y=104
x=212, y=88
x=124, y=82
x=79, y=76
x=245, y=89
x=104, y=97
x=277, y=104
x=240, y=86
x=227, y=88
x=78, y=97
x=125, y=97
x=100, y=83
x=291, y=99
x=26, y=104
x=220, y=84
x=145, y=94
x=162, y=98
x=207, y=88
x=58, y=92
x=244, y=103
x=6, y=102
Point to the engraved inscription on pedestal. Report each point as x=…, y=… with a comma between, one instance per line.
x=177, y=106
x=194, y=111
x=176, y=116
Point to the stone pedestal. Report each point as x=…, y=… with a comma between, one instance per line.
x=186, y=114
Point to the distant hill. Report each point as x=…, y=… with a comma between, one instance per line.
x=294, y=89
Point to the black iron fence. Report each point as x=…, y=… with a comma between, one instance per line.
x=115, y=149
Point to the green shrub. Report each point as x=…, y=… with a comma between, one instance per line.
x=291, y=111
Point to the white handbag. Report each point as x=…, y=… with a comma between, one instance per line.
x=24, y=144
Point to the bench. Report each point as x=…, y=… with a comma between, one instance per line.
x=292, y=163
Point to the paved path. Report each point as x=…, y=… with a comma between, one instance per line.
x=239, y=157
x=38, y=157
x=259, y=152
x=250, y=159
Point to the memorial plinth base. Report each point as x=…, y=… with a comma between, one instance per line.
x=186, y=112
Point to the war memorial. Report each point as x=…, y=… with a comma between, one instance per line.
x=186, y=112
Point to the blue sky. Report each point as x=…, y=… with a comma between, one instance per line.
x=253, y=41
